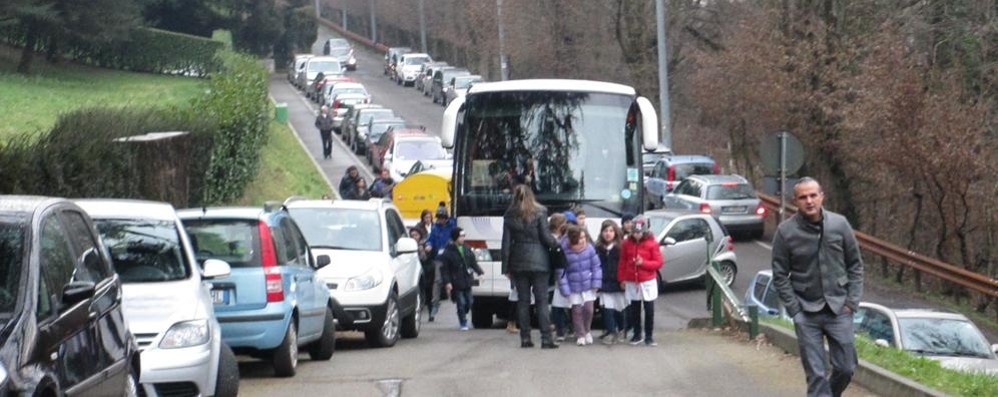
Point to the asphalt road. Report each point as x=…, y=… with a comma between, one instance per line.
x=444, y=361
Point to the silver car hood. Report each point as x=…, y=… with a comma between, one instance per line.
x=151, y=308
x=968, y=364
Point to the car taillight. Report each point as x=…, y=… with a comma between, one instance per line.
x=730, y=242
x=705, y=208
x=336, y=104
x=717, y=169
x=760, y=210
x=476, y=243
x=671, y=176
x=268, y=260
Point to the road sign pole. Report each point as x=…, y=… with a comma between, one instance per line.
x=665, y=133
x=783, y=173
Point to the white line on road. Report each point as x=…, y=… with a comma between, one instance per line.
x=763, y=245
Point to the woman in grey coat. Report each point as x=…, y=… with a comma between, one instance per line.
x=525, y=244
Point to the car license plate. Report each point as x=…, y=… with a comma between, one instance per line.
x=220, y=296
x=734, y=210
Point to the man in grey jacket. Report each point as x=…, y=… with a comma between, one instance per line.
x=818, y=272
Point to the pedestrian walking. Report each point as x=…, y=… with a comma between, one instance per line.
x=348, y=181
x=324, y=122
x=611, y=295
x=579, y=281
x=818, y=272
x=383, y=185
x=458, y=273
x=439, y=237
x=425, y=221
x=359, y=191
x=426, y=276
x=560, y=306
x=525, y=246
x=640, y=260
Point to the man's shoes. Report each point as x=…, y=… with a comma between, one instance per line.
x=526, y=344
x=511, y=327
x=431, y=319
x=650, y=342
x=548, y=345
x=636, y=340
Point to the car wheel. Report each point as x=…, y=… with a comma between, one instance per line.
x=323, y=348
x=388, y=333
x=728, y=271
x=481, y=316
x=412, y=323
x=285, y=358
x=131, y=383
x=227, y=381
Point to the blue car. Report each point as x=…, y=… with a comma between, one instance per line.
x=763, y=294
x=271, y=304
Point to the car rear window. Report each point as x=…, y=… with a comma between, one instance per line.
x=688, y=169
x=144, y=250
x=234, y=241
x=739, y=191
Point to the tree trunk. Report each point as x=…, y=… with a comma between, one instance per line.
x=28, y=53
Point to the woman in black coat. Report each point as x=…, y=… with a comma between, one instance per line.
x=525, y=244
x=611, y=295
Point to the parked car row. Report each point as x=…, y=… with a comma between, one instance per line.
x=437, y=80
x=111, y=297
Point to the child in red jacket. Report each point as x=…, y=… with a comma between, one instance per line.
x=640, y=260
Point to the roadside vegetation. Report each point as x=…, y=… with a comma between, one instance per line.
x=32, y=103
x=285, y=170
x=919, y=369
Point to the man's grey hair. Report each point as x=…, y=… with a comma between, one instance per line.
x=807, y=179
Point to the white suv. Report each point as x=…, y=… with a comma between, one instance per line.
x=166, y=299
x=374, y=270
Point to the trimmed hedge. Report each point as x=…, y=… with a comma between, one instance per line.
x=80, y=156
x=145, y=50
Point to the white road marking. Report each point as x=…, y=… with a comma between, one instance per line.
x=763, y=245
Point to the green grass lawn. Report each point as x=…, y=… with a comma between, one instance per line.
x=32, y=103
x=285, y=170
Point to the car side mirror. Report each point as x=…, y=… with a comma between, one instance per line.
x=669, y=241
x=214, y=268
x=77, y=291
x=882, y=343
x=406, y=245
x=322, y=261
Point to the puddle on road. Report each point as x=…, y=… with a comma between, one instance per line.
x=390, y=387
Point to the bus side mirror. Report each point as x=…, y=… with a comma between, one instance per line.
x=649, y=124
x=449, y=126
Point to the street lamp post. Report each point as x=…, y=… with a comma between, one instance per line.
x=503, y=62
x=663, y=77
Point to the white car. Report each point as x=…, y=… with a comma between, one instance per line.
x=409, y=67
x=407, y=149
x=166, y=299
x=375, y=270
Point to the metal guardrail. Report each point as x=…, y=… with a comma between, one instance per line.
x=952, y=273
x=353, y=36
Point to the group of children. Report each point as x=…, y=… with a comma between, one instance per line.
x=619, y=268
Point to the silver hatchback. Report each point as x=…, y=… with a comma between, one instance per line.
x=730, y=198
x=689, y=241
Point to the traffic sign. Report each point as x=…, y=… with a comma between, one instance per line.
x=769, y=153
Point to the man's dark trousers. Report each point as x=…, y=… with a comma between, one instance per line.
x=327, y=143
x=812, y=328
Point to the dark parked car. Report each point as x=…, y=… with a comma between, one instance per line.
x=62, y=330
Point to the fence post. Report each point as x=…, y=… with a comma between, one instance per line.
x=717, y=312
x=753, y=328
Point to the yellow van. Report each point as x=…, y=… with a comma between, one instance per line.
x=422, y=191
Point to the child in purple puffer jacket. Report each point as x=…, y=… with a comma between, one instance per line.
x=579, y=281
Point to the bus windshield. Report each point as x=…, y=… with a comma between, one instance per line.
x=571, y=148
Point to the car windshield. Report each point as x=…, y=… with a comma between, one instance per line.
x=464, y=83
x=350, y=90
x=572, y=148
x=378, y=129
x=450, y=74
x=144, y=250
x=380, y=114
x=944, y=337
x=657, y=224
x=327, y=67
x=339, y=228
x=420, y=150
x=652, y=158
x=12, y=235
x=339, y=52
x=684, y=170
x=416, y=60
x=233, y=241
x=726, y=191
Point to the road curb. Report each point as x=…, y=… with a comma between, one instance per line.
x=870, y=376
